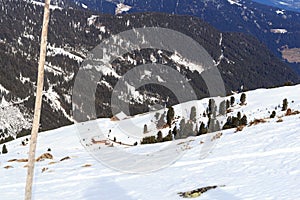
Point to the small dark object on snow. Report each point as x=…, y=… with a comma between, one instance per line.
x=197, y=192
x=65, y=158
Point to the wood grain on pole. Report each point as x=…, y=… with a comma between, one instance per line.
x=38, y=103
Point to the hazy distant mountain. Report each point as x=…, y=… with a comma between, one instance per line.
x=293, y=5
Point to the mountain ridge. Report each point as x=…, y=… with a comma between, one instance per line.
x=72, y=35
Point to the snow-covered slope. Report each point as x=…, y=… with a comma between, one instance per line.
x=260, y=162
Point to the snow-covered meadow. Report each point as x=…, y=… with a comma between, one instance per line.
x=260, y=162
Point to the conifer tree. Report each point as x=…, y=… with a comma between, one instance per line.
x=217, y=126
x=284, y=104
x=174, y=132
x=273, y=114
x=169, y=137
x=232, y=100
x=145, y=128
x=4, y=149
x=161, y=122
x=222, y=108
x=159, y=136
x=193, y=114
x=202, y=129
x=243, y=99
x=211, y=106
x=170, y=116
x=244, y=120
x=239, y=115
x=227, y=104
x=181, y=126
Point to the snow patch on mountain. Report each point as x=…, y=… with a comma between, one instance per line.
x=52, y=51
x=3, y=89
x=84, y=6
x=279, y=30
x=12, y=118
x=24, y=79
x=234, y=2
x=52, y=7
x=92, y=19
x=280, y=12
x=54, y=101
x=122, y=8
x=188, y=64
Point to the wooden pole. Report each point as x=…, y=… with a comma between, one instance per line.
x=38, y=102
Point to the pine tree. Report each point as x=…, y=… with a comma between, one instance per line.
x=235, y=122
x=228, y=123
x=232, y=100
x=161, y=122
x=243, y=99
x=159, y=136
x=181, y=127
x=273, y=114
x=202, y=129
x=188, y=129
x=284, y=104
x=239, y=115
x=169, y=137
x=227, y=104
x=222, y=108
x=210, y=125
x=4, y=149
x=193, y=114
x=174, y=132
x=211, y=106
x=145, y=128
x=214, y=113
x=244, y=120
x=217, y=126
x=170, y=116
x=156, y=116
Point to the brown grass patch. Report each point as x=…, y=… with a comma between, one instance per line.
x=257, y=121
x=239, y=128
x=51, y=163
x=290, y=112
x=217, y=136
x=44, y=156
x=12, y=160
x=99, y=141
x=279, y=120
x=87, y=165
x=44, y=169
x=8, y=167
x=18, y=160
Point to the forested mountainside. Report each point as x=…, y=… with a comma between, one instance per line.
x=241, y=59
x=276, y=27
